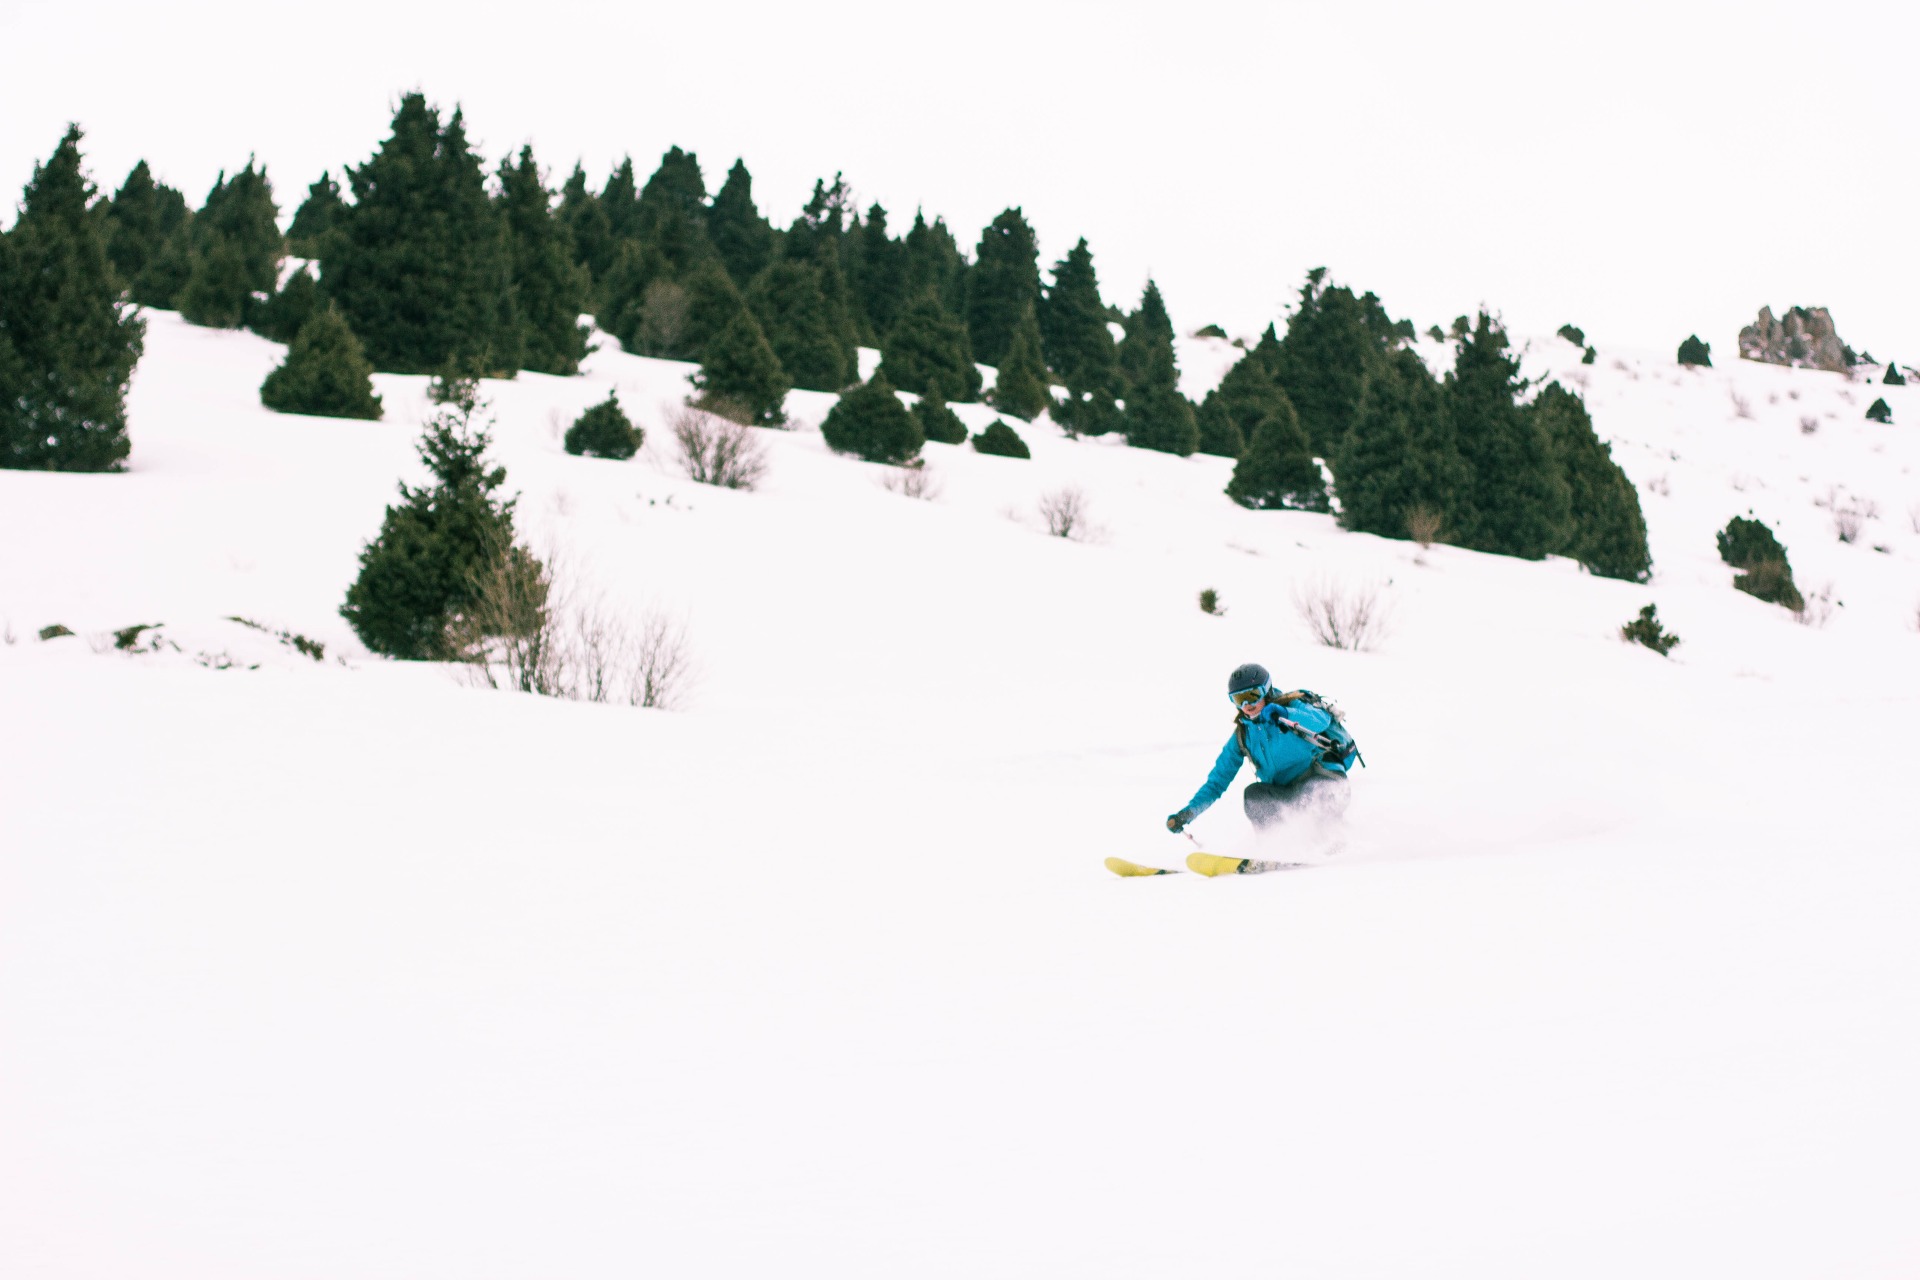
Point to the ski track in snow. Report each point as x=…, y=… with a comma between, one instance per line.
x=344, y=968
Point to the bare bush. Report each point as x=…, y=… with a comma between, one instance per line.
x=1423, y=525
x=717, y=451
x=1742, y=407
x=659, y=666
x=911, y=482
x=1341, y=615
x=1816, y=607
x=1847, y=520
x=1808, y=424
x=1064, y=512
x=663, y=319
x=1660, y=485
x=1913, y=517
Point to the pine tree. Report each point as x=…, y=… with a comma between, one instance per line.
x=739, y=366
x=871, y=422
x=283, y=315
x=835, y=292
x=1517, y=502
x=236, y=250
x=1894, y=377
x=316, y=216
x=422, y=570
x=825, y=217
x=1078, y=345
x=68, y=343
x=622, y=295
x=880, y=283
x=1879, y=410
x=1002, y=285
x=145, y=220
x=1021, y=388
x=742, y=238
x=420, y=266
x=1608, y=530
x=799, y=325
x=672, y=213
x=934, y=261
x=937, y=422
x=1399, y=467
x=587, y=227
x=1149, y=338
x=1248, y=393
x=1001, y=441
x=1156, y=416
x=326, y=372
x=712, y=303
x=929, y=346
x=1695, y=353
x=620, y=202
x=604, y=431
x=1277, y=470
x=550, y=291
x=1334, y=340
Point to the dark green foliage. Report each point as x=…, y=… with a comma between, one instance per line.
x=620, y=202
x=318, y=214
x=1771, y=581
x=1894, y=377
x=1696, y=353
x=1333, y=341
x=420, y=265
x=1002, y=286
x=870, y=422
x=934, y=261
x=880, y=279
x=738, y=365
x=1021, y=388
x=1277, y=470
x=1750, y=547
x=604, y=431
x=742, y=238
x=1209, y=331
x=621, y=304
x=1210, y=602
x=549, y=288
x=1079, y=347
x=1517, y=502
x=838, y=296
x=711, y=304
x=1646, y=630
x=68, y=343
x=1399, y=465
x=1156, y=416
x=1437, y=334
x=283, y=315
x=1608, y=531
x=929, y=346
x=1574, y=334
x=588, y=230
x=937, y=422
x=147, y=238
x=824, y=219
x=1246, y=395
x=325, y=373
x=422, y=571
x=1590, y=356
x=235, y=249
x=1879, y=411
x=1002, y=441
x=802, y=328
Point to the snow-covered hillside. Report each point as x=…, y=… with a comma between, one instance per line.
x=346, y=968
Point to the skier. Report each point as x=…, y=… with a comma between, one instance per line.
x=1298, y=747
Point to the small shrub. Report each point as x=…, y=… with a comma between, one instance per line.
x=871, y=423
x=1423, y=525
x=604, y=431
x=1210, y=602
x=1879, y=411
x=1847, y=522
x=1340, y=616
x=937, y=422
x=1064, y=511
x=1745, y=543
x=716, y=451
x=1695, y=353
x=1894, y=377
x=1808, y=424
x=54, y=632
x=1437, y=333
x=127, y=639
x=1771, y=581
x=314, y=649
x=1646, y=630
x=1573, y=334
x=1590, y=356
x=1817, y=609
x=1742, y=407
x=1210, y=331
x=1002, y=441
x=326, y=372
x=912, y=482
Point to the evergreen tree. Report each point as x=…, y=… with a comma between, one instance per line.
x=1277, y=470
x=1078, y=346
x=587, y=227
x=326, y=372
x=1695, y=353
x=1894, y=377
x=1608, y=532
x=1002, y=286
x=1156, y=416
x=422, y=571
x=835, y=292
x=742, y=238
x=1248, y=393
x=604, y=431
x=712, y=303
x=826, y=217
x=68, y=343
x=1021, y=388
x=550, y=290
x=622, y=295
x=929, y=346
x=1334, y=340
x=420, y=266
x=235, y=250
x=283, y=315
x=1001, y=441
x=880, y=283
x=1399, y=462
x=937, y=422
x=317, y=215
x=1879, y=410
x=1517, y=502
x=739, y=366
x=934, y=261
x=620, y=202
x=146, y=238
x=801, y=327
x=871, y=422
x=672, y=213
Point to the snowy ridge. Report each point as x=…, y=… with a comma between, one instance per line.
x=345, y=968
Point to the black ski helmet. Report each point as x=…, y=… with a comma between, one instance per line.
x=1248, y=675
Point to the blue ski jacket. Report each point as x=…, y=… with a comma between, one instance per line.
x=1279, y=755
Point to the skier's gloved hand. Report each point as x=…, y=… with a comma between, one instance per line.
x=1178, y=822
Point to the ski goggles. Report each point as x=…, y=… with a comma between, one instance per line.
x=1247, y=697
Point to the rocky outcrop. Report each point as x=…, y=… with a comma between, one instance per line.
x=1803, y=338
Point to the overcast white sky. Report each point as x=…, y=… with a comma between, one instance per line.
x=1642, y=170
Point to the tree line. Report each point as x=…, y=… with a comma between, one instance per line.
x=428, y=262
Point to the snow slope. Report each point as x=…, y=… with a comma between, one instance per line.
x=347, y=969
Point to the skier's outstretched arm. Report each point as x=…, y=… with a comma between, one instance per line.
x=1224, y=769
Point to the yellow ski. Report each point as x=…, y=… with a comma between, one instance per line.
x=1214, y=864
x=1121, y=867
